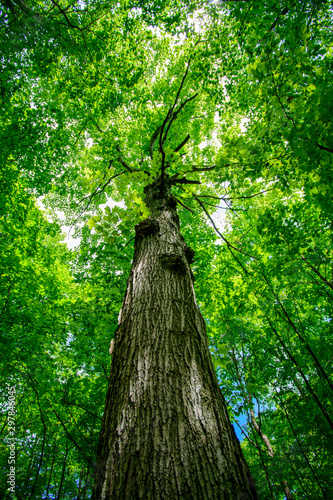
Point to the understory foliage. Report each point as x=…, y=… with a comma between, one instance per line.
x=85, y=89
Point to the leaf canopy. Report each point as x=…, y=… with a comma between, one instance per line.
x=232, y=103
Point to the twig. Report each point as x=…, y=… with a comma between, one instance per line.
x=78, y=137
x=82, y=408
x=185, y=206
x=277, y=95
x=247, y=437
x=226, y=208
x=283, y=13
x=229, y=245
x=95, y=193
x=129, y=241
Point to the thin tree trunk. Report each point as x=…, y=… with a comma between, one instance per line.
x=51, y=470
x=43, y=443
x=261, y=434
x=285, y=316
x=319, y=369
x=63, y=473
x=270, y=451
x=306, y=493
x=80, y=482
x=31, y=465
x=298, y=442
x=300, y=371
x=264, y=467
x=259, y=431
x=286, y=490
x=166, y=433
x=86, y=484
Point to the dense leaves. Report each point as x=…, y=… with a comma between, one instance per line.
x=242, y=92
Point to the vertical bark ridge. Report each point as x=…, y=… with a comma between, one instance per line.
x=165, y=433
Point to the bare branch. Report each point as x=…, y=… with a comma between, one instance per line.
x=247, y=437
x=202, y=169
x=65, y=16
x=69, y=435
x=78, y=137
x=175, y=114
x=183, y=180
x=78, y=428
x=277, y=95
x=210, y=196
x=233, y=198
x=80, y=406
x=330, y=150
x=167, y=118
x=252, y=195
x=227, y=207
x=229, y=245
x=98, y=128
x=185, y=206
x=283, y=13
x=106, y=375
x=97, y=193
x=152, y=142
x=178, y=148
x=124, y=164
x=120, y=159
x=217, y=206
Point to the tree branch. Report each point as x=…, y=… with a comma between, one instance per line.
x=183, y=180
x=80, y=406
x=152, y=142
x=167, y=118
x=324, y=148
x=175, y=114
x=124, y=164
x=95, y=193
x=185, y=206
x=69, y=435
x=178, y=148
x=65, y=16
x=120, y=159
x=247, y=437
x=202, y=169
x=229, y=246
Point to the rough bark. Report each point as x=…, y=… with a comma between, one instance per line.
x=166, y=433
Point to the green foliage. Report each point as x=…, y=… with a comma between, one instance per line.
x=84, y=90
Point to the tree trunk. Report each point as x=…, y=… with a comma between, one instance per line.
x=166, y=433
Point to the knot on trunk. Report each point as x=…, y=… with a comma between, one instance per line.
x=147, y=227
x=189, y=254
x=171, y=202
x=174, y=262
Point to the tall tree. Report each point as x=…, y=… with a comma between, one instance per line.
x=90, y=115
x=166, y=431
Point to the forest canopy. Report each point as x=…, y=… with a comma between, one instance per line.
x=86, y=93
